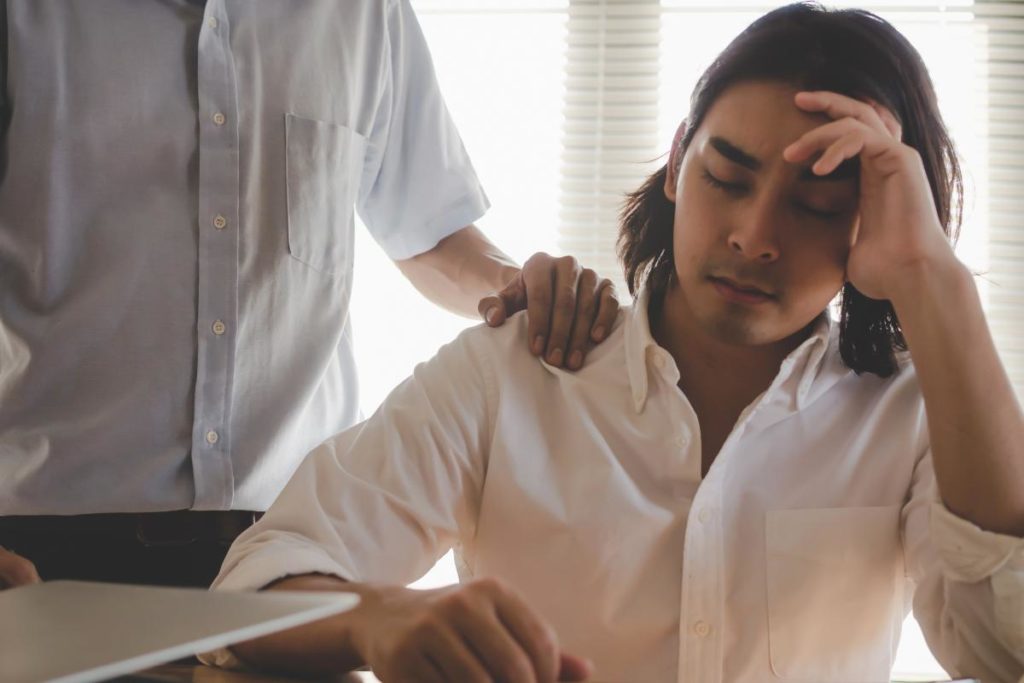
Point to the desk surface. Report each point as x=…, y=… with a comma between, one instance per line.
x=190, y=673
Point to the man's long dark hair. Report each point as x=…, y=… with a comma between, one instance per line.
x=852, y=52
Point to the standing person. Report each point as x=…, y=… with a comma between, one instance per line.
x=736, y=487
x=176, y=257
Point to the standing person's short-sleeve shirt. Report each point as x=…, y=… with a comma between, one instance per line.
x=176, y=237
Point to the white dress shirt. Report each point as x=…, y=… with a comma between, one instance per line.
x=795, y=558
x=176, y=237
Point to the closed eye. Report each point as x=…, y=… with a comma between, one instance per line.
x=820, y=213
x=730, y=188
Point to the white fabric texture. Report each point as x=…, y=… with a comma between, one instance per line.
x=795, y=558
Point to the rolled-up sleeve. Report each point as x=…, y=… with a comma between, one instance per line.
x=969, y=596
x=385, y=499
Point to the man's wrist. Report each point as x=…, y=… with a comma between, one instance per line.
x=941, y=279
x=374, y=602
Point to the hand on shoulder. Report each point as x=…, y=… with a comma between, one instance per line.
x=569, y=308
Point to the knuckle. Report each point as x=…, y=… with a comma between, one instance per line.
x=544, y=641
x=515, y=667
x=24, y=573
x=548, y=652
x=566, y=299
x=491, y=587
x=589, y=279
x=457, y=603
x=428, y=624
x=549, y=641
x=538, y=258
x=410, y=640
x=910, y=154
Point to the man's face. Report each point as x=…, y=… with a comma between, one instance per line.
x=760, y=244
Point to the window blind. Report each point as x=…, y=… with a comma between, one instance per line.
x=1002, y=26
x=610, y=133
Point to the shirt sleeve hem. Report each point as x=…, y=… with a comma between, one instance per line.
x=409, y=243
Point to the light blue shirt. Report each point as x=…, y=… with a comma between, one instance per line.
x=176, y=237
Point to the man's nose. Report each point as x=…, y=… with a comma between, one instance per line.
x=755, y=233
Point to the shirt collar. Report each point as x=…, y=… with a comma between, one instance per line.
x=806, y=373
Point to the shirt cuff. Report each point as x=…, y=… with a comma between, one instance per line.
x=970, y=553
x=261, y=568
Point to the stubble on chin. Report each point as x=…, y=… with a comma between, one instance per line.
x=733, y=328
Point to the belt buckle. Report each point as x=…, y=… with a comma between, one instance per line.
x=176, y=530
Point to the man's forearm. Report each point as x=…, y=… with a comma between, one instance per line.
x=975, y=423
x=463, y=268
x=323, y=647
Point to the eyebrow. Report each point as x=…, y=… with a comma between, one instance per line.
x=734, y=153
x=846, y=170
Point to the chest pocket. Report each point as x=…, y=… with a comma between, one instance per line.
x=834, y=604
x=324, y=164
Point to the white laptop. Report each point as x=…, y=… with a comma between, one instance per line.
x=77, y=632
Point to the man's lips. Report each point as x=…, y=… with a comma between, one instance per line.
x=739, y=291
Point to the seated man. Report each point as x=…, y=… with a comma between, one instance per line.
x=734, y=487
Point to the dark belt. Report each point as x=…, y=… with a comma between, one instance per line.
x=149, y=529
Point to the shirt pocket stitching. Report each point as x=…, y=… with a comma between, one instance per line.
x=322, y=175
x=874, y=524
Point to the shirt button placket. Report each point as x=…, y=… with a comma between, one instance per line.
x=218, y=259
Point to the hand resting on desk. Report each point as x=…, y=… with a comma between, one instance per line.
x=479, y=631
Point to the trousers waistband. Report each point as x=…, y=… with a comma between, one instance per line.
x=150, y=529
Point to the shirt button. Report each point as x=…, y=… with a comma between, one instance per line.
x=219, y=119
x=219, y=327
x=702, y=629
x=679, y=441
x=704, y=515
x=220, y=222
x=212, y=437
x=212, y=22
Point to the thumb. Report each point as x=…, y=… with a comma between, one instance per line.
x=573, y=668
x=496, y=307
x=15, y=570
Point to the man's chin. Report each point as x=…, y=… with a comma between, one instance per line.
x=735, y=332
x=739, y=329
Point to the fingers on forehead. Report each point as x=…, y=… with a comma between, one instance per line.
x=867, y=110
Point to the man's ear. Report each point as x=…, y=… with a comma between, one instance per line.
x=675, y=161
